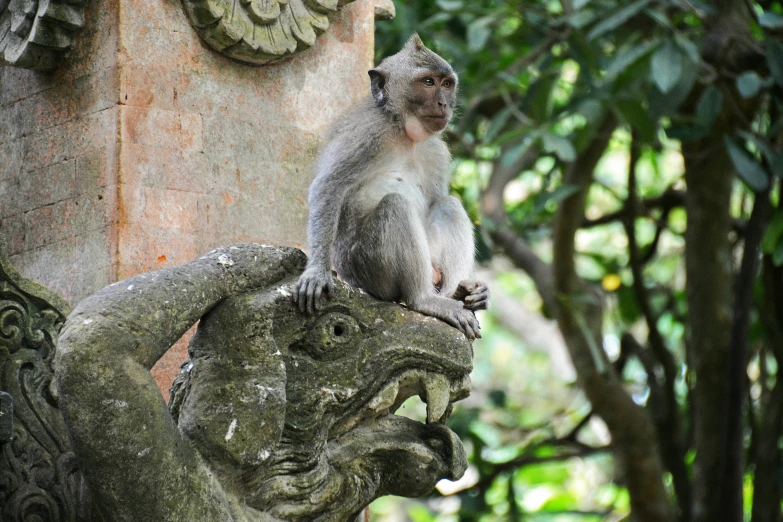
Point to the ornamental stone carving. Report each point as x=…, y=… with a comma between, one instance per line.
x=39, y=477
x=277, y=416
x=260, y=31
x=35, y=34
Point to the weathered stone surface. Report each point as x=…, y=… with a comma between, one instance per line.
x=6, y=417
x=385, y=10
x=277, y=416
x=260, y=31
x=35, y=34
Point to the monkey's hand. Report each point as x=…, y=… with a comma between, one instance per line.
x=474, y=294
x=310, y=286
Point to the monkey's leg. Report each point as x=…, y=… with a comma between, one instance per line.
x=452, y=247
x=391, y=259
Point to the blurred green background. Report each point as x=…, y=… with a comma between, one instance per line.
x=657, y=113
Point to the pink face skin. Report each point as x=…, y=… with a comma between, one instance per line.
x=431, y=100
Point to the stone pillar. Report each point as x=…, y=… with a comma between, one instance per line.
x=146, y=148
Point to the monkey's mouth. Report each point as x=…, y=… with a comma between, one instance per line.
x=437, y=123
x=380, y=430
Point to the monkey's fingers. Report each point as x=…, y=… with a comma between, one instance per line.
x=477, y=302
x=303, y=293
x=468, y=324
x=315, y=295
x=299, y=287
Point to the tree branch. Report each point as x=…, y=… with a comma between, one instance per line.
x=515, y=247
x=580, y=320
x=732, y=468
x=668, y=421
x=708, y=267
x=669, y=199
x=767, y=457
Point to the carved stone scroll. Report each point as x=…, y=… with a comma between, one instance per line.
x=35, y=34
x=39, y=478
x=260, y=31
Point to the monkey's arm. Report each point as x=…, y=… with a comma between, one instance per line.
x=335, y=176
x=132, y=454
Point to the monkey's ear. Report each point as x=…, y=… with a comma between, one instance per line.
x=377, y=84
x=415, y=42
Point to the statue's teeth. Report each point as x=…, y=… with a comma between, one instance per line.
x=461, y=389
x=436, y=395
x=386, y=397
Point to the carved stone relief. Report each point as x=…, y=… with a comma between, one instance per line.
x=35, y=34
x=39, y=478
x=260, y=31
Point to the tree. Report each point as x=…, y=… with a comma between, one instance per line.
x=550, y=89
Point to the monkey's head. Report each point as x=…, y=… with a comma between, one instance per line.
x=417, y=87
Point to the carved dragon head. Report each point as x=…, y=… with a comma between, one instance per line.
x=297, y=412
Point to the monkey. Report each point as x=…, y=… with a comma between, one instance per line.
x=380, y=211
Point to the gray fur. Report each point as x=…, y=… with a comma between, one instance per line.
x=379, y=205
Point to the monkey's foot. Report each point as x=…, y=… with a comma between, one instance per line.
x=451, y=312
x=474, y=294
x=309, y=288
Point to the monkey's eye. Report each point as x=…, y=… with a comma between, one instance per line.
x=429, y=82
x=448, y=84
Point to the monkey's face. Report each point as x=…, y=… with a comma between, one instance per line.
x=433, y=95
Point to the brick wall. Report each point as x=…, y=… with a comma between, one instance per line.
x=147, y=148
x=58, y=158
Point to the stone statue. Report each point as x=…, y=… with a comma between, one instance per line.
x=276, y=416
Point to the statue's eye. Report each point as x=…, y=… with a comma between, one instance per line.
x=332, y=333
x=429, y=82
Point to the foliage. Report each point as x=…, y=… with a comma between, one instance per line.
x=559, y=97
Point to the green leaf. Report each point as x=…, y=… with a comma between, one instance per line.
x=479, y=32
x=514, y=154
x=773, y=233
x=538, y=102
x=659, y=17
x=591, y=109
x=618, y=18
x=686, y=134
x=580, y=19
x=777, y=256
x=496, y=124
x=771, y=20
x=749, y=84
x=666, y=66
x=709, y=106
x=556, y=196
x=560, y=145
x=775, y=60
x=633, y=113
x=594, y=113
x=748, y=169
x=764, y=147
x=626, y=58
x=691, y=49
x=627, y=305
x=665, y=104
